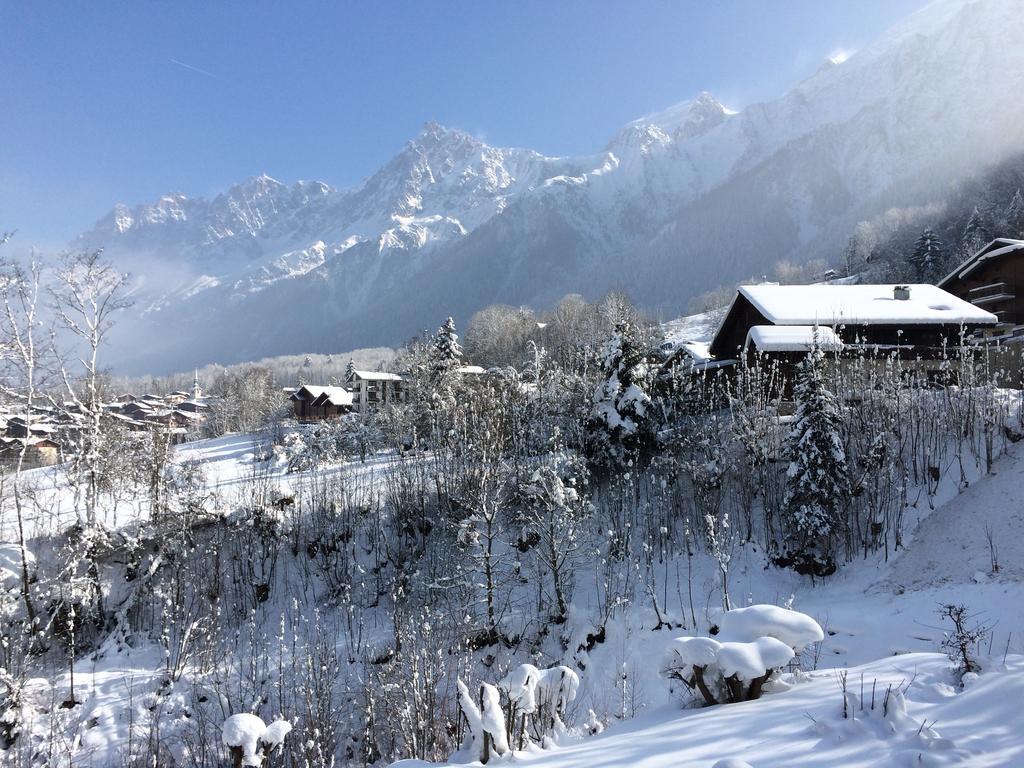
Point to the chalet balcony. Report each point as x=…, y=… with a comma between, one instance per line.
x=990, y=294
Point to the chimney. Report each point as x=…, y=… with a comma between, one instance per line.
x=901, y=292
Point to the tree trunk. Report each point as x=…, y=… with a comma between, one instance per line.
x=698, y=676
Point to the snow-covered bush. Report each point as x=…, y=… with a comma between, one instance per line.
x=535, y=705
x=795, y=629
x=249, y=740
x=753, y=644
x=551, y=511
x=486, y=722
x=961, y=643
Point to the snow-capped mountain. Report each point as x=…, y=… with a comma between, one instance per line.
x=677, y=202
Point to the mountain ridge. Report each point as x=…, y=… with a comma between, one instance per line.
x=677, y=202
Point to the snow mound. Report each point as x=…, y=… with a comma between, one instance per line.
x=795, y=629
x=249, y=732
x=694, y=651
x=748, y=661
x=275, y=733
x=244, y=730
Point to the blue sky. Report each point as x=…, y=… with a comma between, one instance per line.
x=106, y=102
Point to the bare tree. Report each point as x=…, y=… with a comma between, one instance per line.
x=88, y=294
x=19, y=290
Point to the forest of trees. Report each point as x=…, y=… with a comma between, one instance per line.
x=924, y=244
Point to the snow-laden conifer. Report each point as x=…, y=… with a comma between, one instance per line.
x=817, y=478
x=619, y=425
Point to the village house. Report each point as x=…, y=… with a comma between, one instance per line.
x=39, y=451
x=993, y=279
x=312, y=402
x=921, y=324
x=180, y=412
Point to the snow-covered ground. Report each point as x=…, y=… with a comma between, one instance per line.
x=880, y=619
x=940, y=725
x=882, y=627
x=698, y=328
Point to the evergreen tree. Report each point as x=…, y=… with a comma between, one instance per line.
x=445, y=354
x=817, y=478
x=619, y=427
x=928, y=257
x=1015, y=216
x=350, y=371
x=976, y=233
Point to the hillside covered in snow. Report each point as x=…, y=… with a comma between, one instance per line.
x=675, y=204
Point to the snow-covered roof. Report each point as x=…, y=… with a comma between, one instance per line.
x=333, y=396
x=336, y=395
x=700, y=351
x=793, y=338
x=998, y=247
x=861, y=305
x=377, y=376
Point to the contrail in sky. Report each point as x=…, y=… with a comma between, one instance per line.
x=194, y=69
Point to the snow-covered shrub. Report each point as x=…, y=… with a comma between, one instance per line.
x=753, y=644
x=249, y=740
x=486, y=723
x=533, y=711
x=556, y=689
x=11, y=700
x=551, y=511
x=241, y=735
x=795, y=629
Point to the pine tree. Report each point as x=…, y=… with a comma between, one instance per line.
x=928, y=257
x=976, y=233
x=350, y=371
x=1015, y=216
x=817, y=478
x=619, y=426
x=445, y=354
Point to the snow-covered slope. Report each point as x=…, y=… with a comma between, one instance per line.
x=933, y=725
x=676, y=203
x=880, y=621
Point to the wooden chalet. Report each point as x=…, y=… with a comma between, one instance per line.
x=993, y=279
x=39, y=451
x=312, y=402
x=919, y=323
